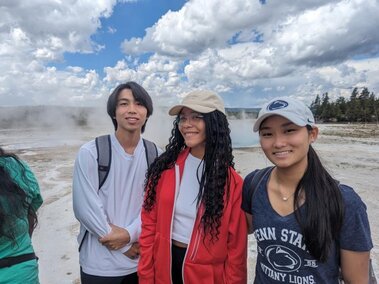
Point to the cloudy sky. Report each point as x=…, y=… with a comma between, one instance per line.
x=74, y=52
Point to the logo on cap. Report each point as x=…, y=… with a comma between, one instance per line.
x=278, y=104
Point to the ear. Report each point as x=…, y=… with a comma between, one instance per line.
x=313, y=134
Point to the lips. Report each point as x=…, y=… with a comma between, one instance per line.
x=190, y=134
x=132, y=119
x=282, y=153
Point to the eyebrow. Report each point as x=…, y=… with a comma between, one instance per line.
x=282, y=125
x=122, y=99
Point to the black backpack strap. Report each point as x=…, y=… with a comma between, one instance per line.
x=12, y=260
x=151, y=151
x=104, y=157
x=257, y=180
x=82, y=241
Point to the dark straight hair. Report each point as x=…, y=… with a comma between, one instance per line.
x=321, y=221
x=139, y=94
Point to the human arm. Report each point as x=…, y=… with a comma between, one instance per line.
x=32, y=220
x=146, y=245
x=235, y=265
x=249, y=221
x=32, y=189
x=87, y=205
x=354, y=240
x=133, y=252
x=124, y=234
x=117, y=239
x=355, y=266
x=246, y=204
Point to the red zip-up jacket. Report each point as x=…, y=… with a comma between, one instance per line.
x=220, y=261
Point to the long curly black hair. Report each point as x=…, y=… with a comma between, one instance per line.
x=215, y=179
x=15, y=204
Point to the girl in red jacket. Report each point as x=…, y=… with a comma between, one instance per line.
x=193, y=230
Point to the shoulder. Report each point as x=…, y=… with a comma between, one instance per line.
x=160, y=151
x=350, y=197
x=6, y=161
x=150, y=144
x=236, y=181
x=21, y=173
x=87, y=155
x=88, y=148
x=355, y=233
x=13, y=165
x=260, y=172
x=250, y=175
x=235, y=176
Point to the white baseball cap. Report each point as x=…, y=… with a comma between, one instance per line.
x=202, y=101
x=292, y=109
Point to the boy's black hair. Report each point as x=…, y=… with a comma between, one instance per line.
x=139, y=94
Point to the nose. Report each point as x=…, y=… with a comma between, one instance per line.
x=131, y=108
x=279, y=141
x=187, y=123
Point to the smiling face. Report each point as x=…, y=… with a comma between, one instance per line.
x=192, y=128
x=130, y=114
x=285, y=144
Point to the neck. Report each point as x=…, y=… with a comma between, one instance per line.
x=291, y=175
x=286, y=178
x=128, y=140
x=198, y=151
x=285, y=182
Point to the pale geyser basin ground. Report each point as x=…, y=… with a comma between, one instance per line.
x=350, y=152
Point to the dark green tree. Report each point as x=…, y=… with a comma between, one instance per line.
x=353, y=107
x=364, y=115
x=362, y=107
x=326, y=110
x=316, y=107
x=342, y=106
x=374, y=108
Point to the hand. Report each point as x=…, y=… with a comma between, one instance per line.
x=133, y=251
x=116, y=239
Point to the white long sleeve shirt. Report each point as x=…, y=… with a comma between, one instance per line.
x=118, y=202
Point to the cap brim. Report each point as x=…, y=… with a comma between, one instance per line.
x=175, y=110
x=290, y=117
x=258, y=122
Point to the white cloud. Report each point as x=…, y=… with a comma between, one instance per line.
x=235, y=47
x=211, y=24
x=36, y=33
x=159, y=76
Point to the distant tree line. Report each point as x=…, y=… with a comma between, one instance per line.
x=361, y=107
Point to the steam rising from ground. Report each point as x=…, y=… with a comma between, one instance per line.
x=76, y=125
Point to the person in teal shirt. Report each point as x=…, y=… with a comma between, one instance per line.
x=19, y=200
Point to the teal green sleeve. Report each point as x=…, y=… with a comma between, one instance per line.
x=25, y=178
x=33, y=188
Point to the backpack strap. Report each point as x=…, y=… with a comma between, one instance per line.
x=256, y=181
x=104, y=157
x=151, y=151
x=12, y=260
